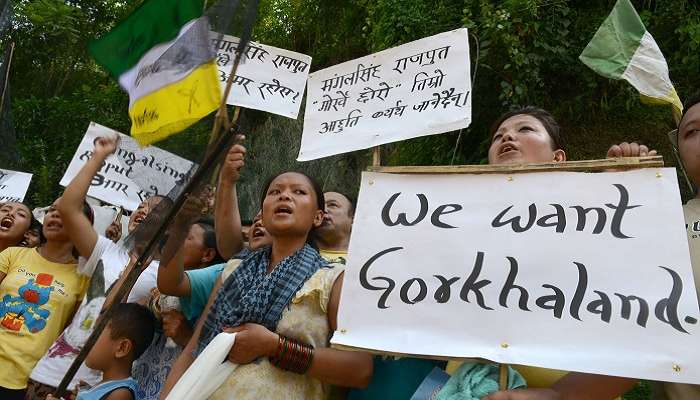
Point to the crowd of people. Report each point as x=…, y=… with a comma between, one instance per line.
x=275, y=283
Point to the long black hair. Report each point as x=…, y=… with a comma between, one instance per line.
x=210, y=240
x=32, y=220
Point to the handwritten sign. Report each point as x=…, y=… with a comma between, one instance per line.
x=267, y=79
x=417, y=89
x=592, y=276
x=13, y=185
x=117, y=181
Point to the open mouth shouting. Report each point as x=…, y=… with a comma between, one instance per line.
x=258, y=232
x=139, y=218
x=283, y=210
x=507, y=149
x=53, y=225
x=6, y=224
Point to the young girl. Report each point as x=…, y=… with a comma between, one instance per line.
x=33, y=236
x=39, y=291
x=105, y=262
x=281, y=297
x=531, y=135
x=15, y=220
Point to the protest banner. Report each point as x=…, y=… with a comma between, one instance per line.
x=120, y=180
x=268, y=78
x=13, y=185
x=565, y=270
x=417, y=89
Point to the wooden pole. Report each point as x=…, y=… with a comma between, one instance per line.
x=141, y=263
x=674, y=148
x=218, y=144
x=624, y=163
x=503, y=376
x=7, y=76
x=221, y=119
x=377, y=156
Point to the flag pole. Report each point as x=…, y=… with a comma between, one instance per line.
x=134, y=271
x=377, y=156
x=502, y=376
x=7, y=76
x=215, y=149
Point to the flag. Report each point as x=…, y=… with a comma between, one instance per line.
x=622, y=48
x=162, y=56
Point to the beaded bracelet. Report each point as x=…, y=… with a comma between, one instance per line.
x=292, y=355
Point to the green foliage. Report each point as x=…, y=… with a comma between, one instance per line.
x=393, y=22
x=527, y=54
x=642, y=391
x=329, y=31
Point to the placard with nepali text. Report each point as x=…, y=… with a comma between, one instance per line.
x=573, y=271
x=13, y=185
x=121, y=179
x=417, y=89
x=268, y=78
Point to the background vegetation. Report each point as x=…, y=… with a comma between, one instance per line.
x=528, y=53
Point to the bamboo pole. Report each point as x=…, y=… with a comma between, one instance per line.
x=377, y=156
x=503, y=376
x=7, y=76
x=623, y=163
x=134, y=271
x=218, y=143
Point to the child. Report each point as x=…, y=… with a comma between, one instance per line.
x=126, y=337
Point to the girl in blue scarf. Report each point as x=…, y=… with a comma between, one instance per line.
x=282, y=300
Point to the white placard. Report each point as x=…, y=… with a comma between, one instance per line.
x=13, y=185
x=572, y=271
x=417, y=89
x=117, y=181
x=268, y=78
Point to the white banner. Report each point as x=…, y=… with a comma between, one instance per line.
x=572, y=271
x=417, y=89
x=267, y=79
x=121, y=179
x=13, y=185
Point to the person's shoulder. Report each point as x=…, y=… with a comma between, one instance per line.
x=112, y=255
x=122, y=393
x=692, y=207
x=331, y=270
x=20, y=250
x=320, y=285
x=107, y=249
x=213, y=268
x=15, y=252
x=229, y=267
x=210, y=272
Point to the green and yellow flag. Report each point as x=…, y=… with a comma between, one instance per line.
x=161, y=55
x=622, y=48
